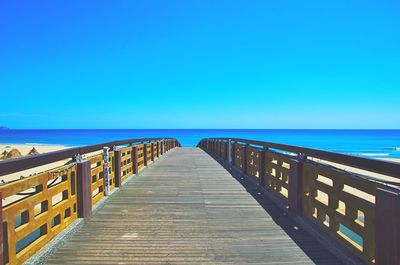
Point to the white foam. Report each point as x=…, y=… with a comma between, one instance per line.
x=374, y=154
x=40, y=144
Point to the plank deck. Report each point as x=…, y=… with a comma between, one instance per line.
x=187, y=209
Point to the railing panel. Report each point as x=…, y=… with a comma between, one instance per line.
x=140, y=159
x=238, y=155
x=342, y=204
x=154, y=151
x=36, y=209
x=97, y=175
x=277, y=168
x=126, y=163
x=148, y=153
x=253, y=160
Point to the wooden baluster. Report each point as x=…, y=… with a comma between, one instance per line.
x=117, y=167
x=295, y=186
x=261, y=167
x=145, y=154
x=135, y=157
x=84, y=189
x=152, y=151
x=244, y=152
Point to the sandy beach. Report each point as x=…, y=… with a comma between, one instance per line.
x=25, y=149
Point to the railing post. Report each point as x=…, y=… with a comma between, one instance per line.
x=158, y=148
x=229, y=152
x=145, y=154
x=152, y=151
x=387, y=228
x=244, y=159
x=117, y=167
x=295, y=186
x=1, y=231
x=135, y=159
x=261, y=167
x=162, y=147
x=226, y=144
x=84, y=189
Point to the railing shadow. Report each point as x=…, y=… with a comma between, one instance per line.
x=318, y=253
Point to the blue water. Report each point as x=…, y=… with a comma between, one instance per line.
x=367, y=143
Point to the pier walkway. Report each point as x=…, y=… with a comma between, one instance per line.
x=186, y=208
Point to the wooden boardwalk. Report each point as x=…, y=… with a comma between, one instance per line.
x=187, y=209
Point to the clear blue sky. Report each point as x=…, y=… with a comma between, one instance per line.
x=200, y=64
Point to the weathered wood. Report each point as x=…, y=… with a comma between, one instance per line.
x=117, y=168
x=387, y=226
x=135, y=159
x=295, y=186
x=83, y=189
x=187, y=209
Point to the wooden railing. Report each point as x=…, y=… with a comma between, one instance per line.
x=354, y=200
x=37, y=208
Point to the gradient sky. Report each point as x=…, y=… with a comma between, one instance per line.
x=200, y=64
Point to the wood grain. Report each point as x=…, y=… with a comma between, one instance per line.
x=187, y=209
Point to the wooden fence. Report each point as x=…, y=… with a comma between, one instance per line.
x=37, y=208
x=359, y=207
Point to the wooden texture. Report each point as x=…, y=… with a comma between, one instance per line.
x=277, y=167
x=84, y=189
x=140, y=159
x=187, y=209
x=38, y=208
x=116, y=166
x=97, y=175
x=343, y=205
x=126, y=163
x=387, y=226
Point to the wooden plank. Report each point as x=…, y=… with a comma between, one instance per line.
x=187, y=209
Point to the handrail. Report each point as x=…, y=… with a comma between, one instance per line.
x=374, y=165
x=27, y=162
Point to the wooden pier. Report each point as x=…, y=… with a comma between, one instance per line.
x=187, y=209
x=228, y=201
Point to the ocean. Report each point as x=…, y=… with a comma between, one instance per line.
x=366, y=143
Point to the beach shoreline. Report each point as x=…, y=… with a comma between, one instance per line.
x=24, y=149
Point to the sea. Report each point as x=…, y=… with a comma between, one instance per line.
x=365, y=143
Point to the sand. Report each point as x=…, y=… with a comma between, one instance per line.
x=24, y=149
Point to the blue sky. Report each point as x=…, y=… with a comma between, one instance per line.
x=200, y=64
